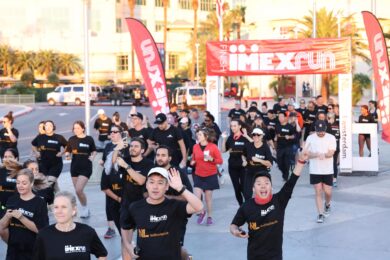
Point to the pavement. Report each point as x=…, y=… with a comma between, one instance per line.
x=357, y=228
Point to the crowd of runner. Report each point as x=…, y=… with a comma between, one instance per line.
x=155, y=179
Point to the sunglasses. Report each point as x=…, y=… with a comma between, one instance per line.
x=114, y=132
x=256, y=134
x=207, y=120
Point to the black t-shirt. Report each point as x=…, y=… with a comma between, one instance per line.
x=278, y=108
x=5, y=141
x=236, y=113
x=309, y=118
x=237, y=150
x=49, y=146
x=188, y=141
x=122, y=125
x=271, y=126
x=366, y=119
x=77, y=244
x=184, y=179
x=159, y=228
x=103, y=126
x=263, y=152
x=35, y=210
x=265, y=223
x=113, y=179
x=281, y=132
x=7, y=187
x=81, y=149
x=170, y=138
x=321, y=109
x=132, y=191
x=47, y=194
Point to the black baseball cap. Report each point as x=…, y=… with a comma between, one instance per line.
x=320, y=126
x=262, y=174
x=139, y=115
x=160, y=118
x=185, y=110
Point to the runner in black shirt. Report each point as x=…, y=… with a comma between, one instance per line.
x=111, y=182
x=235, y=145
x=67, y=240
x=265, y=215
x=138, y=130
x=236, y=111
x=271, y=123
x=103, y=126
x=258, y=158
x=163, y=159
x=215, y=131
x=302, y=107
x=83, y=150
x=116, y=120
x=309, y=119
x=159, y=220
x=41, y=131
x=8, y=134
x=26, y=215
x=41, y=187
x=170, y=136
x=47, y=148
x=365, y=117
x=280, y=106
x=320, y=107
x=285, y=136
x=7, y=180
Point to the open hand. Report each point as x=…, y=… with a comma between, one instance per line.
x=175, y=180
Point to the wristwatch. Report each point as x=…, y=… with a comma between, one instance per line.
x=128, y=167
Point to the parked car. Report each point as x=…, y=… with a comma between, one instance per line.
x=65, y=94
x=189, y=96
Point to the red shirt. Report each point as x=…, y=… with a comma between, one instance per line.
x=206, y=168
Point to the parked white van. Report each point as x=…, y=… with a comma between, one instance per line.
x=190, y=96
x=65, y=94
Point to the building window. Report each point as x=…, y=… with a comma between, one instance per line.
x=207, y=5
x=173, y=60
x=122, y=62
x=140, y=2
x=185, y=4
x=159, y=26
x=118, y=26
x=118, y=1
x=286, y=30
x=160, y=3
x=144, y=22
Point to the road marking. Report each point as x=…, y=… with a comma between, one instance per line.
x=63, y=114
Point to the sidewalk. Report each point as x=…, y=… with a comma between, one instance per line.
x=18, y=110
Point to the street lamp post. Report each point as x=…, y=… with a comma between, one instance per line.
x=314, y=36
x=373, y=93
x=197, y=64
x=87, y=6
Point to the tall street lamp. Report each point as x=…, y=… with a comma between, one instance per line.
x=87, y=8
x=197, y=64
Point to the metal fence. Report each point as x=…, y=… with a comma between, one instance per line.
x=17, y=99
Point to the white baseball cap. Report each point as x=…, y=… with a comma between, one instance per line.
x=159, y=170
x=101, y=112
x=258, y=131
x=184, y=120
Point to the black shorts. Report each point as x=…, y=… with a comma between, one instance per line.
x=51, y=168
x=318, y=178
x=76, y=174
x=206, y=183
x=83, y=170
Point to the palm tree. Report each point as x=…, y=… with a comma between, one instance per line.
x=327, y=27
x=68, y=64
x=238, y=17
x=132, y=7
x=24, y=61
x=360, y=82
x=46, y=62
x=6, y=58
x=195, y=5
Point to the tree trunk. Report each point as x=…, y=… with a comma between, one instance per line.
x=325, y=87
x=165, y=4
x=195, y=39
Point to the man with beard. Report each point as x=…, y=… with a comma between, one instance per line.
x=134, y=169
x=163, y=159
x=138, y=130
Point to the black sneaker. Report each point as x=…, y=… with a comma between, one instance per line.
x=320, y=218
x=110, y=233
x=327, y=210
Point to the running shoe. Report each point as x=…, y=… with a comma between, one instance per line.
x=327, y=210
x=335, y=184
x=110, y=233
x=320, y=218
x=201, y=218
x=210, y=221
x=84, y=212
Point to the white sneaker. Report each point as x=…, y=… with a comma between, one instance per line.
x=84, y=212
x=222, y=179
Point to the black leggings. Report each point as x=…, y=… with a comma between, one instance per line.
x=283, y=157
x=113, y=212
x=237, y=175
x=335, y=159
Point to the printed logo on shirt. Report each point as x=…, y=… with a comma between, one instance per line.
x=52, y=142
x=259, y=156
x=10, y=180
x=155, y=219
x=6, y=134
x=84, y=145
x=169, y=136
x=239, y=143
x=285, y=130
x=264, y=212
x=253, y=225
x=104, y=124
x=26, y=213
x=69, y=249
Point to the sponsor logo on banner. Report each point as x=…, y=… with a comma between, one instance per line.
x=380, y=65
x=271, y=57
x=150, y=65
x=345, y=94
